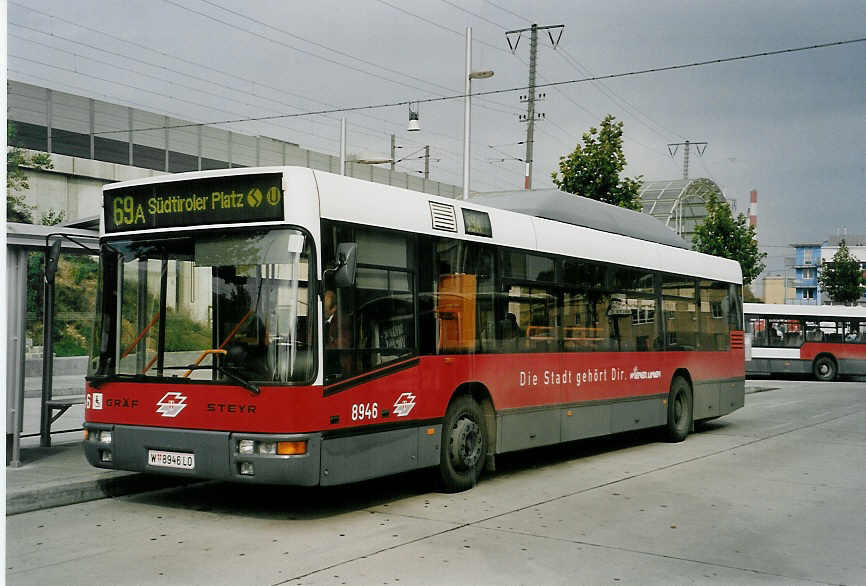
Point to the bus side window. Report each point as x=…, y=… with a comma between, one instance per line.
x=680, y=310
x=813, y=332
x=854, y=332
x=375, y=321
x=583, y=331
x=757, y=326
x=463, y=297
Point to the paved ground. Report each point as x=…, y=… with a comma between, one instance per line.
x=772, y=494
x=60, y=475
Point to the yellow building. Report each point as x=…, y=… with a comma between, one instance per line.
x=778, y=289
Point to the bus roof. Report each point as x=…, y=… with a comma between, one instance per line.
x=553, y=204
x=552, y=222
x=779, y=309
x=607, y=235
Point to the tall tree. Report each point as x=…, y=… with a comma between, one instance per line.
x=721, y=234
x=17, y=182
x=593, y=169
x=842, y=279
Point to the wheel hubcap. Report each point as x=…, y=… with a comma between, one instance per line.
x=465, y=444
x=823, y=368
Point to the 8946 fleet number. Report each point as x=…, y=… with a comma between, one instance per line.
x=365, y=411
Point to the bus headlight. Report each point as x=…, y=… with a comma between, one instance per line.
x=246, y=447
x=104, y=437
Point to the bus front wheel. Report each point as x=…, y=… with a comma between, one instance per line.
x=679, y=410
x=464, y=445
x=824, y=368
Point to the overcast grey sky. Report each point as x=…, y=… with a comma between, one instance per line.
x=790, y=126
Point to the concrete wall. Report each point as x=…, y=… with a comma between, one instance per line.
x=75, y=185
x=94, y=142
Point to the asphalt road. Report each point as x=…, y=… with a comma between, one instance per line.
x=772, y=494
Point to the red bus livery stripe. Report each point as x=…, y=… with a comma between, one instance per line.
x=515, y=381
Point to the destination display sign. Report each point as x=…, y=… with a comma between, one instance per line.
x=216, y=200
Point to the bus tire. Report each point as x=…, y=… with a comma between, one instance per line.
x=824, y=368
x=464, y=445
x=679, y=410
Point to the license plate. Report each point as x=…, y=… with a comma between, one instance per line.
x=162, y=459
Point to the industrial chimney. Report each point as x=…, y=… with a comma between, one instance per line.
x=753, y=208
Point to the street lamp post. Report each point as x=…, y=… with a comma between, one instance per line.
x=342, y=146
x=470, y=75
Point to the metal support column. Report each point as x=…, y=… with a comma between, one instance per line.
x=16, y=287
x=530, y=109
x=52, y=256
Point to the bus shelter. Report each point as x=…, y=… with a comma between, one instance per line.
x=28, y=283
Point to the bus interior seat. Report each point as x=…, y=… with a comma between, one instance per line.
x=793, y=339
x=814, y=336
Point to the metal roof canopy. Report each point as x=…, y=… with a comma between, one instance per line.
x=33, y=236
x=553, y=204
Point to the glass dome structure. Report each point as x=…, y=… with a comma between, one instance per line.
x=679, y=203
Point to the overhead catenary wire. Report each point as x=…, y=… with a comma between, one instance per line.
x=142, y=74
x=235, y=26
x=571, y=61
x=327, y=48
x=522, y=88
x=500, y=184
x=475, y=14
x=626, y=105
x=373, y=132
x=581, y=69
x=440, y=25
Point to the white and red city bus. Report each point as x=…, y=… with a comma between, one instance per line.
x=825, y=340
x=286, y=325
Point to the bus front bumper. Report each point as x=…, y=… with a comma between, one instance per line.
x=214, y=455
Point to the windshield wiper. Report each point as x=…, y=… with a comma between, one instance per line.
x=224, y=370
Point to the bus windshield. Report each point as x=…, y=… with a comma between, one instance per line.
x=229, y=308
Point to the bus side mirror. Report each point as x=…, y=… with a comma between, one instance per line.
x=346, y=267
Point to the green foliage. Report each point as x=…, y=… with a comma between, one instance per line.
x=592, y=170
x=842, y=278
x=52, y=217
x=183, y=333
x=721, y=234
x=17, y=182
x=749, y=296
x=74, y=297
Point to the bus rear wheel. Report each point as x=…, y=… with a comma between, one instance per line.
x=679, y=410
x=464, y=445
x=824, y=368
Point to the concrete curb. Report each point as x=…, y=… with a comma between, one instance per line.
x=25, y=501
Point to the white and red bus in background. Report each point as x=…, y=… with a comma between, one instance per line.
x=286, y=325
x=825, y=340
